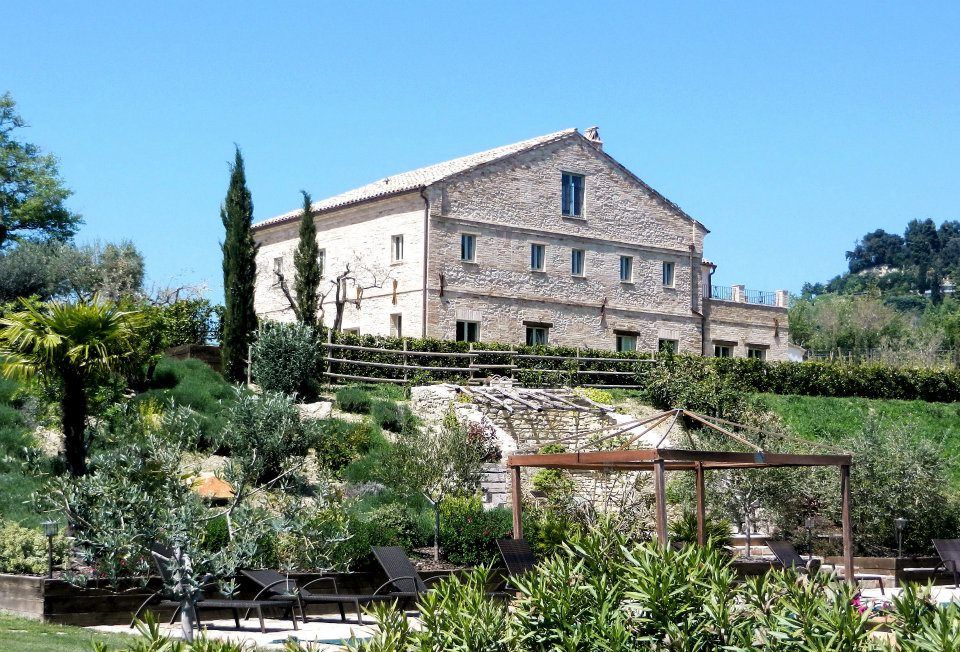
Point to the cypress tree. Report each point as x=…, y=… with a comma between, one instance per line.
x=307, y=267
x=239, y=273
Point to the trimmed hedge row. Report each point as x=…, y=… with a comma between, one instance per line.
x=820, y=378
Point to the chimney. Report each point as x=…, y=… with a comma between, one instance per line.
x=593, y=135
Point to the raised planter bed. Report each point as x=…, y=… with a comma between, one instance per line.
x=57, y=601
x=901, y=569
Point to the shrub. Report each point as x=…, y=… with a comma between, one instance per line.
x=286, y=359
x=684, y=529
x=389, y=415
x=336, y=442
x=24, y=550
x=394, y=524
x=353, y=399
x=596, y=395
x=469, y=533
x=262, y=432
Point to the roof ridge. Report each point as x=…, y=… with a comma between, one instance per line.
x=420, y=177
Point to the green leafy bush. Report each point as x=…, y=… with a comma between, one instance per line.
x=286, y=359
x=684, y=529
x=469, y=533
x=24, y=550
x=336, y=442
x=354, y=399
x=390, y=415
x=261, y=432
x=392, y=524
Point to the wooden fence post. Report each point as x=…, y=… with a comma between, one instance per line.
x=404, y=358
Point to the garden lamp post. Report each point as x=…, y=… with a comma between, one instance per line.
x=808, y=525
x=50, y=530
x=900, y=525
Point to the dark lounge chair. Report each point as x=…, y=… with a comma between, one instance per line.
x=402, y=575
x=949, y=551
x=280, y=587
x=517, y=556
x=787, y=555
x=162, y=559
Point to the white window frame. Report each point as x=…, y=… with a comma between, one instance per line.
x=322, y=262
x=543, y=256
x=573, y=204
x=756, y=352
x=473, y=253
x=675, y=344
x=629, y=260
x=396, y=248
x=396, y=324
x=583, y=263
x=623, y=339
x=672, y=266
x=718, y=347
x=277, y=269
x=533, y=330
x=466, y=330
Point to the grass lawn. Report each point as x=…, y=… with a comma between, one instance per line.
x=832, y=419
x=25, y=635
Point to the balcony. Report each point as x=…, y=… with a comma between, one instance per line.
x=739, y=294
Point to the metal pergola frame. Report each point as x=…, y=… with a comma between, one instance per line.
x=660, y=460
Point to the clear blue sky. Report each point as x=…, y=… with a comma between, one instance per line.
x=789, y=129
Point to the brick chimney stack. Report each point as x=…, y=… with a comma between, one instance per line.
x=593, y=135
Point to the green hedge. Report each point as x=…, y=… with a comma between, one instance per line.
x=750, y=375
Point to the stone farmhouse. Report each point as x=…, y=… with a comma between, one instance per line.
x=549, y=240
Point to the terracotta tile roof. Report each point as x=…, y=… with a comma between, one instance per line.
x=419, y=178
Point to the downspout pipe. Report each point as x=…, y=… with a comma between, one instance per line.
x=426, y=250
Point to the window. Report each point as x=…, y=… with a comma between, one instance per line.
x=322, y=261
x=756, y=353
x=722, y=351
x=576, y=262
x=626, y=269
x=668, y=269
x=626, y=343
x=396, y=248
x=572, y=194
x=537, y=335
x=277, y=269
x=396, y=325
x=468, y=247
x=468, y=331
x=668, y=346
x=537, y=252
x=351, y=331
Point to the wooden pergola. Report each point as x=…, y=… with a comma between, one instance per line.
x=660, y=460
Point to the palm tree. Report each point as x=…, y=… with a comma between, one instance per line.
x=68, y=346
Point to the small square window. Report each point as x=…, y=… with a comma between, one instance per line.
x=468, y=331
x=668, y=273
x=396, y=325
x=468, y=247
x=626, y=343
x=537, y=335
x=626, y=269
x=722, y=351
x=396, y=248
x=756, y=353
x=572, y=194
x=668, y=346
x=537, y=254
x=322, y=262
x=576, y=262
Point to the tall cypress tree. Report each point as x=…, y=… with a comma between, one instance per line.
x=306, y=264
x=239, y=273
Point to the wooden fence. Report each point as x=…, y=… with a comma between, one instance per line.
x=347, y=362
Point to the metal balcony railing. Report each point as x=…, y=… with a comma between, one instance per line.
x=762, y=298
x=721, y=292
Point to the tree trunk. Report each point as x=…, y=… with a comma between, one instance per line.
x=436, y=531
x=73, y=404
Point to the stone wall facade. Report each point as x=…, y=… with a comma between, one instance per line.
x=745, y=326
x=509, y=205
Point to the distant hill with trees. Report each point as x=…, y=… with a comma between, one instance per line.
x=895, y=302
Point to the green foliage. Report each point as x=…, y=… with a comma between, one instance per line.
x=469, y=533
x=32, y=194
x=596, y=395
x=239, y=273
x=395, y=524
x=354, y=399
x=286, y=359
x=29, y=635
x=188, y=321
x=390, y=415
x=261, y=432
x=337, y=443
x=684, y=529
x=24, y=550
x=306, y=263
x=69, y=346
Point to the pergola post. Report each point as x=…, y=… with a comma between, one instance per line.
x=701, y=506
x=515, y=491
x=660, y=491
x=846, y=517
